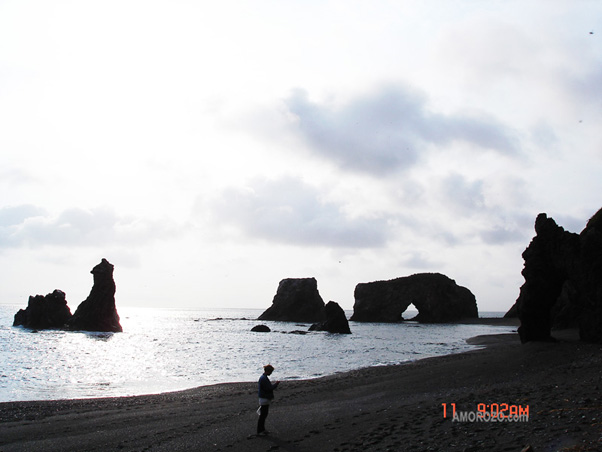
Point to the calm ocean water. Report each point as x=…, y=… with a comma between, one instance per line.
x=164, y=350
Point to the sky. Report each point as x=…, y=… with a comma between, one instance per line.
x=209, y=150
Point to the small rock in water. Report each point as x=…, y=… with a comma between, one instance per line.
x=261, y=329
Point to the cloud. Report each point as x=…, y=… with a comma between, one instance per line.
x=473, y=205
x=543, y=135
x=461, y=195
x=420, y=260
x=572, y=223
x=15, y=215
x=585, y=85
x=30, y=225
x=14, y=177
x=502, y=234
x=289, y=211
x=389, y=130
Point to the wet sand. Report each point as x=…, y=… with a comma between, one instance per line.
x=397, y=408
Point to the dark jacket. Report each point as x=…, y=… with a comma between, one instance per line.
x=266, y=388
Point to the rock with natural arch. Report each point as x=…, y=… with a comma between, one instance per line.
x=437, y=298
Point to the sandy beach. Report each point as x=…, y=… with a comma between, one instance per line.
x=396, y=408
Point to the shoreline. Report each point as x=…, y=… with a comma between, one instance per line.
x=396, y=407
x=300, y=366
x=476, y=340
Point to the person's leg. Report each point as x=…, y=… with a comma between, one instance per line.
x=263, y=414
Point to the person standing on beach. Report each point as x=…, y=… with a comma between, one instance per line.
x=266, y=395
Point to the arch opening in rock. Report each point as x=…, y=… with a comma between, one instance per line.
x=409, y=313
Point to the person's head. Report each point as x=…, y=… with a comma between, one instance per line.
x=268, y=369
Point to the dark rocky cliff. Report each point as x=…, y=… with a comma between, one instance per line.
x=563, y=281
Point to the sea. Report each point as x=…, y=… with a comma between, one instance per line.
x=163, y=350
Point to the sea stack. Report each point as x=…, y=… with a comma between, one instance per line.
x=98, y=311
x=562, y=281
x=44, y=312
x=336, y=321
x=437, y=298
x=296, y=300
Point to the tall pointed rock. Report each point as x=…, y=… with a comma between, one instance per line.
x=98, y=311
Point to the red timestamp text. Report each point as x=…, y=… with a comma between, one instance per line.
x=453, y=409
x=494, y=410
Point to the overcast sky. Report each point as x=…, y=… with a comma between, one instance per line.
x=210, y=149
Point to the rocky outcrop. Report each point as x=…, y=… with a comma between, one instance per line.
x=296, y=300
x=261, y=329
x=563, y=281
x=437, y=298
x=336, y=320
x=512, y=312
x=44, y=312
x=98, y=311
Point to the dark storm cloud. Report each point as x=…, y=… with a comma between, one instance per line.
x=389, y=130
x=289, y=211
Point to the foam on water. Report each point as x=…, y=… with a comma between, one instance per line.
x=163, y=350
